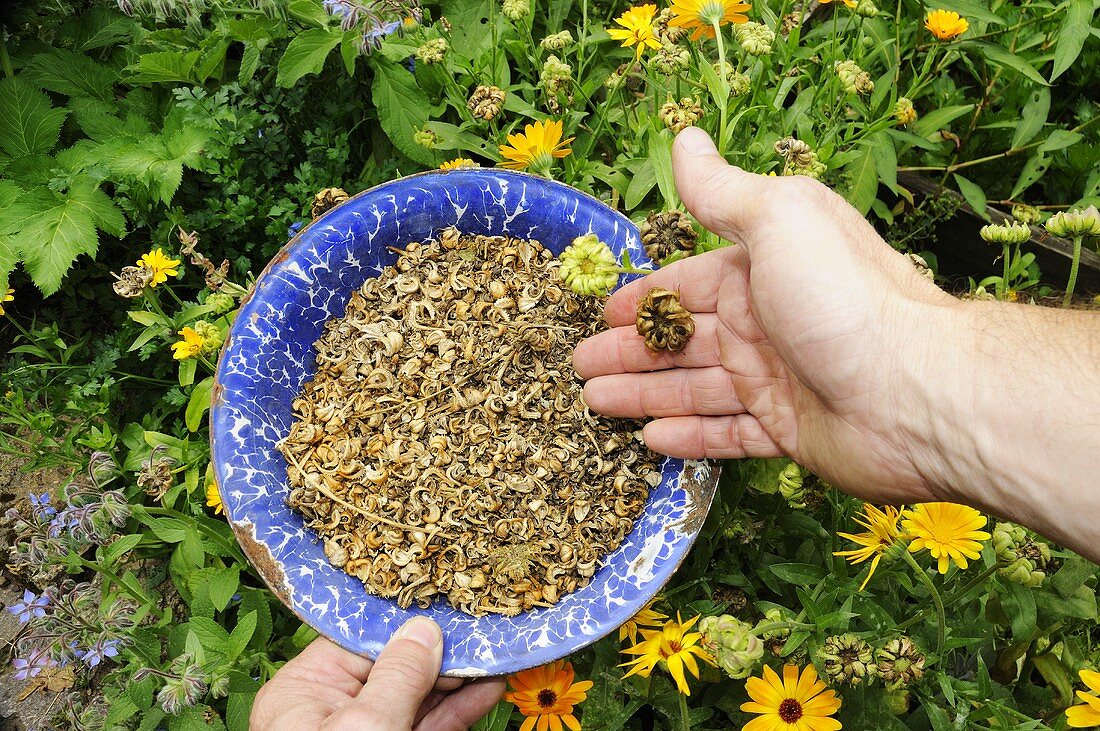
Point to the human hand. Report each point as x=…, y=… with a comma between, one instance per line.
x=327, y=687
x=813, y=338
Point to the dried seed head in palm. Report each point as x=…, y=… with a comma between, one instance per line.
x=665, y=233
x=663, y=322
x=327, y=199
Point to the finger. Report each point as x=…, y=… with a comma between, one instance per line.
x=724, y=198
x=697, y=279
x=716, y=437
x=623, y=350
x=463, y=708
x=678, y=392
x=402, y=677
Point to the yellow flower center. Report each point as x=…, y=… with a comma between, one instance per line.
x=790, y=710
x=547, y=698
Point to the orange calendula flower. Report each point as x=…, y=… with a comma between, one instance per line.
x=637, y=29
x=536, y=148
x=700, y=16
x=646, y=617
x=214, y=498
x=945, y=24
x=546, y=696
x=189, y=346
x=793, y=703
x=882, y=531
x=950, y=532
x=1087, y=714
x=161, y=266
x=8, y=297
x=674, y=647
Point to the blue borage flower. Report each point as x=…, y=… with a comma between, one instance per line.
x=32, y=606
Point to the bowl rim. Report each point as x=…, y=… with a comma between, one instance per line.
x=259, y=555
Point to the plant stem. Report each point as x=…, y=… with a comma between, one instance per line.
x=954, y=596
x=723, y=103
x=1073, y=270
x=941, y=617
x=1004, y=278
x=685, y=719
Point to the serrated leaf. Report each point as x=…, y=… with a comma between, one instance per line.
x=250, y=61
x=29, y=125
x=1071, y=38
x=402, y=108
x=9, y=257
x=165, y=66
x=237, y=711
x=223, y=585
x=97, y=119
x=72, y=74
x=1032, y=118
x=242, y=633
x=101, y=27
x=306, y=54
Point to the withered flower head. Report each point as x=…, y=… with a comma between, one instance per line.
x=486, y=102
x=326, y=200
x=663, y=322
x=132, y=281
x=900, y=662
x=665, y=233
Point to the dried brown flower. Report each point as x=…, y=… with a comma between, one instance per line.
x=663, y=322
x=442, y=448
x=327, y=199
x=132, y=281
x=214, y=275
x=665, y=233
x=486, y=102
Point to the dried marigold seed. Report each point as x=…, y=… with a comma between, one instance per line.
x=663, y=322
x=442, y=450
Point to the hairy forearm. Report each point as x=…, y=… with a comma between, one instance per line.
x=1013, y=400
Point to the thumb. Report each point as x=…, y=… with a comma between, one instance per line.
x=724, y=198
x=401, y=678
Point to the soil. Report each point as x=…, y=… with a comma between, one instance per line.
x=34, y=711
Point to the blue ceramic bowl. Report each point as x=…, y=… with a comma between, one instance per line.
x=268, y=356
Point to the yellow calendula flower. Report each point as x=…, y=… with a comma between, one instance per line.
x=945, y=24
x=849, y=3
x=214, y=498
x=646, y=617
x=700, y=16
x=189, y=346
x=637, y=29
x=546, y=696
x=674, y=647
x=161, y=266
x=536, y=147
x=793, y=703
x=1087, y=714
x=8, y=297
x=882, y=531
x=458, y=163
x=950, y=532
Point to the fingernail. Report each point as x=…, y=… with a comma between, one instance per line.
x=420, y=630
x=695, y=141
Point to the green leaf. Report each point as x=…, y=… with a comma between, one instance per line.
x=71, y=74
x=120, y=546
x=187, y=371
x=973, y=194
x=166, y=66
x=256, y=600
x=1072, y=576
x=886, y=159
x=1033, y=169
x=242, y=633
x=308, y=12
x=1060, y=139
x=306, y=54
x=641, y=183
x=29, y=125
x=198, y=404
x=349, y=49
x=101, y=27
x=660, y=157
x=932, y=122
x=471, y=33
x=802, y=574
x=456, y=138
x=1001, y=57
x=250, y=61
x=238, y=709
x=402, y=108
x=972, y=9
x=223, y=585
x=66, y=230
x=1033, y=117
x=1071, y=38
x=864, y=179
x=1019, y=603
x=211, y=634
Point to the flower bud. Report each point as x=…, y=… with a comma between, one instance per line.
x=866, y=8
x=1079, y=222
x=426, y=138
x=433, y=51
x=212, y=336
x=755, y=38
x=1006, y=233
x=516, y=9
x=557, y=41
x=732, y=644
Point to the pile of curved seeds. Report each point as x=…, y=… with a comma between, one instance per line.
x=443, y=447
